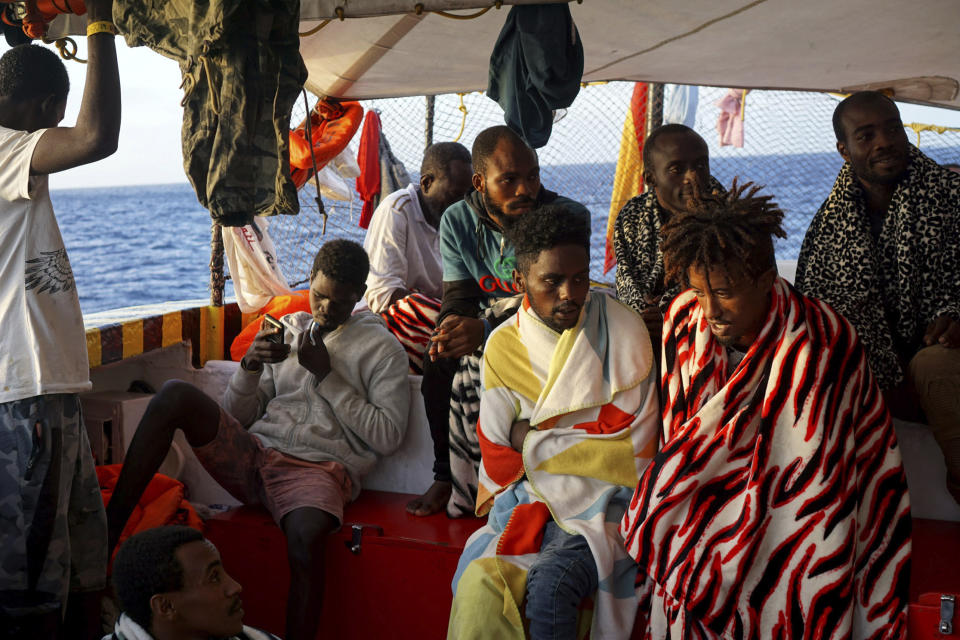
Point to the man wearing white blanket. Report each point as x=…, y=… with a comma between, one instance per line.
x=568, y=421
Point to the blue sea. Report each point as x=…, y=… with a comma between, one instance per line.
x=147, y=244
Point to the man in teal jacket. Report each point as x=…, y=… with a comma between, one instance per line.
x=477, y=271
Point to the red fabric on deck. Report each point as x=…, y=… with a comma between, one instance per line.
x=162, y=502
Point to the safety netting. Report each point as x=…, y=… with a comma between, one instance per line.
x=788, y=146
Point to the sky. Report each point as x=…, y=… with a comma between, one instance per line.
x=149, y=151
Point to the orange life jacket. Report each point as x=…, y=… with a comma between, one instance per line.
x=332, y=126
x=278, y=307
x=39, y=13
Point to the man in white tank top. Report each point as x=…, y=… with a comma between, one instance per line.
x=52, y=528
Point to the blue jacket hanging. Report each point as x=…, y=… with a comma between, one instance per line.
x=536, y=67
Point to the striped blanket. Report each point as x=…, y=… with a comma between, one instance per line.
x=592, y=402
x=412, y=320
x=777, y=506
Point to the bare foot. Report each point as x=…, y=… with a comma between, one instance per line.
x=434, y=500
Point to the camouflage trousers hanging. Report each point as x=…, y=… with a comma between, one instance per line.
x=53, y=529
x=242, y=72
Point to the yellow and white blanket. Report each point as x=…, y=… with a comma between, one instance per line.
x=592, y=400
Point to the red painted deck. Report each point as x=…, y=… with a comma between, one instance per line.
x=935, y=570
x=398, y=585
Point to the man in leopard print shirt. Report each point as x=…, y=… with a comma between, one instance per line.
x=675, y=160
x=883, y=250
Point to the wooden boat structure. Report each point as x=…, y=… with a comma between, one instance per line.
x=389, y=573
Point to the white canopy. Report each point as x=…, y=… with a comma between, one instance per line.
x=385, y=48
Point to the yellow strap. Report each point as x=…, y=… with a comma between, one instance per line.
x=315, y=29
x=463, y=123
x=918, y=127
x=101, y=26
x=64, y=45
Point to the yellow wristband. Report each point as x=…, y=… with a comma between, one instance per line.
x=102, y=26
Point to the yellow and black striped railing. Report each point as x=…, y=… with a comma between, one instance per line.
x=208, y=329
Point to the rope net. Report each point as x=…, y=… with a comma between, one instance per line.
x=789, y=147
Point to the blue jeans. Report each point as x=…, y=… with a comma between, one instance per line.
x=564, y=574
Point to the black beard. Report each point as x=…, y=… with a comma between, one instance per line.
x=505, y=220
x=876, y=178
x=493, y=209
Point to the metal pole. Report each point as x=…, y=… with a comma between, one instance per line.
x=654, y=106
x=428, y=122
x=217, y=279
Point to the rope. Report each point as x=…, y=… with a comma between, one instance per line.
x=680, y=36
x=418, y=10
x=217, y=277
x=192, y=78
x=306, y=34
x=428, y=122
x=63, y=46
x=463, y=123
x=313, y=159
x=918, y=127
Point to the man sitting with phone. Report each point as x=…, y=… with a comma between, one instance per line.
x=307, y=414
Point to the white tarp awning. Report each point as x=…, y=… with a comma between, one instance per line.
x=830, y=45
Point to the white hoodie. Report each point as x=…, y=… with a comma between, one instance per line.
x=355, y=414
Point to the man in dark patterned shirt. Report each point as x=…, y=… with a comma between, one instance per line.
x=883, y=251
x=675, y=160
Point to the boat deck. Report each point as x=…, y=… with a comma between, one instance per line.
x=396, y=583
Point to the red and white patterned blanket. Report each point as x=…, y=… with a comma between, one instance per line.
x=777, y=507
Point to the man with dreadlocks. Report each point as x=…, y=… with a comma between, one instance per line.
x=777, y=506
x=883, y=251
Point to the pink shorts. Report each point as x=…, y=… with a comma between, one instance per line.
x=255, y=474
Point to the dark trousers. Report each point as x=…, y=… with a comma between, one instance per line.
x=436, y=386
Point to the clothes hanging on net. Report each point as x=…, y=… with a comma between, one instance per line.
x=242, y=72
x=536, y=67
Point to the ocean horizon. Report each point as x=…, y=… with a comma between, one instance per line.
x=146, y=244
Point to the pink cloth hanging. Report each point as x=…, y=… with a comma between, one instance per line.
x=730, y=122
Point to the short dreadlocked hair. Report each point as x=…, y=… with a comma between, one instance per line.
x=544, y=228
x=486, y=143
x=146, y=565
x=440, y=155
x=731, y=232
x=30, y=71
x=342, y=261
x=858, y=99
x=652, y=143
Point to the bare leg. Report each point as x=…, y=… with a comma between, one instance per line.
x=306, y=530
x=178, y=405
x=433, y=500
x=436, y=389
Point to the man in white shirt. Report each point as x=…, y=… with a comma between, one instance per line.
x=52, y=526
x=406, y=275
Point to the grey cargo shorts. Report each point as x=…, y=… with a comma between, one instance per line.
x=53, y=528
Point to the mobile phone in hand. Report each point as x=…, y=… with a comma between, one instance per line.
x=270, y=321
